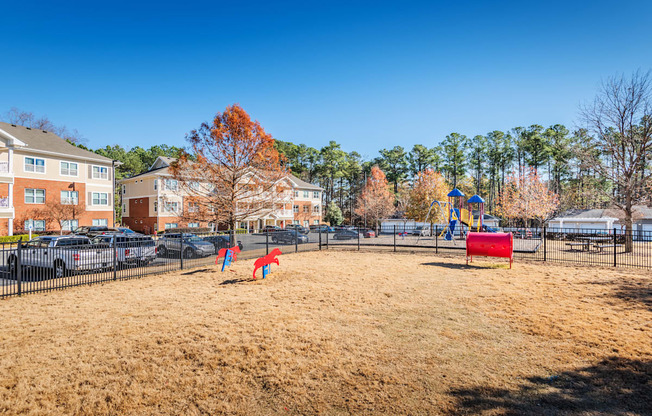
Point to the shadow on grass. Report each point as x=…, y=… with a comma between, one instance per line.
x=195, y=271
x=462, y=266
x=235, y=281
x=613, y=386
x=639, y=293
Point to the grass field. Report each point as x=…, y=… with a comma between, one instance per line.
x=336, y=333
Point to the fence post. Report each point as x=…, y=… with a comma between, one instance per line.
x=319, y=238
x=19, y=271
x=266, y=241
x=358, y=229
x=436, y=240
x=296, y=240
x=115, y=257
x=394, y=238
x=545, y=256
x=615, y=246
x=181, y=250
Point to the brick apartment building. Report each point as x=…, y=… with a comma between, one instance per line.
x=153, y=201
x=38, y=168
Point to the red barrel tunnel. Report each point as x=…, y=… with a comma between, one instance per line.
x=490, y=245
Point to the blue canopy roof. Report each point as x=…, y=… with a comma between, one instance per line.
x=455, y=192
x=476, y=199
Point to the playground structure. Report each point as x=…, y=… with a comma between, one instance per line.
x=490, y=245
x=458, y=215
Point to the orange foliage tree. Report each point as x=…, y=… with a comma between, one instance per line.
x=375, y=201
x=527, y=198
x=236, y=174
x=428, y=186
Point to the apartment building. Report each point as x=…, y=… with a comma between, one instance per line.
x=153, y=201
x=307, y=202
x=39, y=169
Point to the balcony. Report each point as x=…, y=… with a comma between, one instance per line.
x=6, y=211
x=284, y=213
x=5, y=175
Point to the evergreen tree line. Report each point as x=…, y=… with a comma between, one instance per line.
x=480, y=164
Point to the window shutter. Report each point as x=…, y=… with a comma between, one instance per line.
x=90, y=171
x=90, y=198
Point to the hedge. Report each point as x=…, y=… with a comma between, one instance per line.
x=15, y=238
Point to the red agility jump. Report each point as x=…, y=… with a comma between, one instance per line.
x=490, y=245
x=266, y=261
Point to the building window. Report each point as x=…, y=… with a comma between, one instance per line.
x=100, y=172
x=306, y=194
x=171, y=206
x=155, y=184
x=193, y=207
x=100, y=198
x=316, y=222
x=33, y=164
x=37, y=225
x=306, y=208
x=297, y=222
x=295, y=209
x=306, y=223
x=69, y=197
x=124, y=208
x=315, y=209
x=124, y=189
x=193, y=225
x=68, y=169
x=296, y=194
x=171, y=225
x=70, y=225
x=315, y=194
x=34, y=196
x=171, y=184
x=100, y=222
x=155, y=206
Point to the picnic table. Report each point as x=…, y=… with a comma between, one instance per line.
x=585, y=242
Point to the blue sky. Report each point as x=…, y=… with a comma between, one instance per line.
x=369, y=75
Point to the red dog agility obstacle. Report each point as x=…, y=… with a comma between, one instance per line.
x=490, y=245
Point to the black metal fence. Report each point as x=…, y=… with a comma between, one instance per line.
x=51, y=262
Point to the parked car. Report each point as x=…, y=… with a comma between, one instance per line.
x=222, y=241
x=289, y=237
x=193, y=246
x=125, y=230
x=344, y=234
x=271, y=229
x=91, y=230
x=421, y=230
x=368, y=233
x=323, y=228
x=131, y=249
x=299, y=228
x=61, y=255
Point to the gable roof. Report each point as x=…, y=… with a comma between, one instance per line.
x=46, y=141
x=303, y=184
x=639, y=212
x=163, y=162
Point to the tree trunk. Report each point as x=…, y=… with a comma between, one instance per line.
x=629, y=243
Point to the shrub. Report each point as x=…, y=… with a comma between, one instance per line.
x=15, y=238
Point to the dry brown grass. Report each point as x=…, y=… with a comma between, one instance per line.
x=336, y=333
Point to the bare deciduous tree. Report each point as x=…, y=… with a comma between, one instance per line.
x=620, y=119
x=28, y=119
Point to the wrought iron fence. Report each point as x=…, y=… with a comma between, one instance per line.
x=50, y=263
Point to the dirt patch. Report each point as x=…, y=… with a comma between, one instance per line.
x=335, y=333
